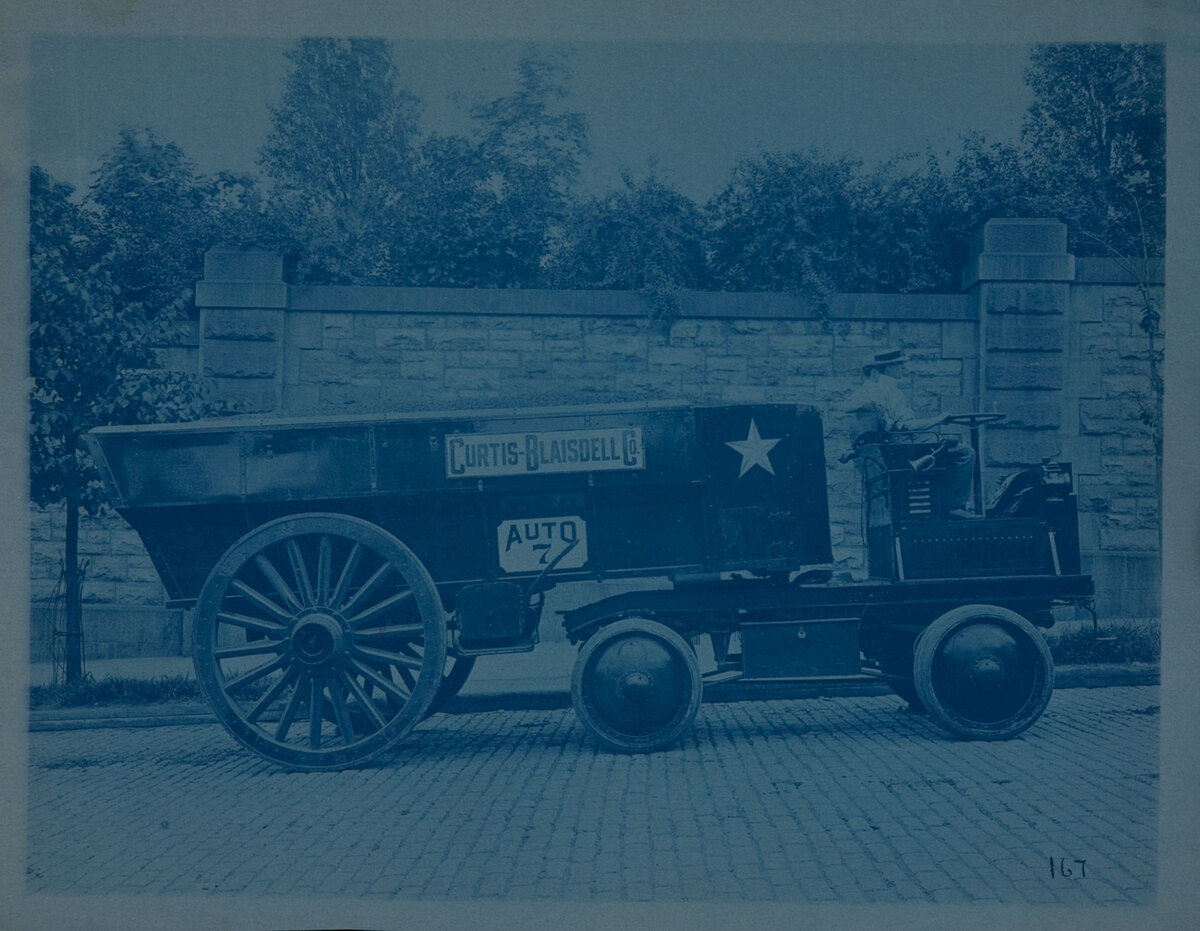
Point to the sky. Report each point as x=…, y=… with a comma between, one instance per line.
x=696, y=108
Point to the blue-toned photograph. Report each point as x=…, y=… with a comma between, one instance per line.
x=598, y=472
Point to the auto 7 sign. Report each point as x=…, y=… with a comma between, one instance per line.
x=612, y=449
x=532, y=545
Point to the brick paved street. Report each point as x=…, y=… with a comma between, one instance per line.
x=831, y=800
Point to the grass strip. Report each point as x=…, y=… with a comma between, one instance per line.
x=115, y=690
x=1113, y=642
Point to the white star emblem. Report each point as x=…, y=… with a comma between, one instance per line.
x=754, y=450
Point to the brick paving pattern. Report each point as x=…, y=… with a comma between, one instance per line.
x=830, y=800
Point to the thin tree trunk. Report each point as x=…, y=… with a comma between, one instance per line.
x=74, y=631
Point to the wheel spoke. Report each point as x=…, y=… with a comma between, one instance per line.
x=273, y=693
x=347, y=576
x=293, y=705
x=253, y=674
x=363, y=593
x=252, y=649
x=324, y=568
x=390, y=659
x=380, y=608
x=384, y=684
x=411, y=630
x=261, y=600
x=341, y=714
x=315, y=712
x=364, y=699
x=300, y=572
x=268, y=569
x=270, y=628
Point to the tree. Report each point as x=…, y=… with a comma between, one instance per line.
x=780, y=223
x=1095, y=139
x=447, y=219
x=805, y=223
x=903, y=238
x=365, y=198
x=532, y=146
x=238, y=213
x=153, y=210
x=340, y=158
x=1091, y=152
x=646, y=237
x=92, y=362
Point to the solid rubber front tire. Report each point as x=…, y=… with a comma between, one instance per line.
x=983, y=672
x=636, y=685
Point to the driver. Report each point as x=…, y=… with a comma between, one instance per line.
x=882, y=407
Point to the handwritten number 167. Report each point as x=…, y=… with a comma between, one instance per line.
x=1065, y=871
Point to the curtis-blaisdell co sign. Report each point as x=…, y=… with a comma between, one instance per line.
x=605, y=449
x=534, y=543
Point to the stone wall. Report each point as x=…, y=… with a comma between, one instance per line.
x=124, y=613
x=1065, y=358
x=1048, y=339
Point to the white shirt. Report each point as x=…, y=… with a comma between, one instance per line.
x=882, y=397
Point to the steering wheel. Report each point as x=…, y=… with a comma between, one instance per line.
x=974, y=419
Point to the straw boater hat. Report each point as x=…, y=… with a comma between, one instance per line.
x=887, y=357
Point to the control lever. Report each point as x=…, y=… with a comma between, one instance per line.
x=535, y=587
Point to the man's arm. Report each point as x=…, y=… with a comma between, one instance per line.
x=923, y=423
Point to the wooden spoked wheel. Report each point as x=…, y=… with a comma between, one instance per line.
x=983, y=672
x=636, y=685
x=319, y=641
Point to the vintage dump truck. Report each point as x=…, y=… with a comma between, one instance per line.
x=346, y=571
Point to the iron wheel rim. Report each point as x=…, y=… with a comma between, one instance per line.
x=319, y=641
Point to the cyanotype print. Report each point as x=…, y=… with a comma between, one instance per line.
x=620, y=471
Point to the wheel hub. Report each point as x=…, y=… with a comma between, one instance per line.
x=637, y=685
x=978, y=673
x=637, y=688
x=988, y=672
x=317, y=639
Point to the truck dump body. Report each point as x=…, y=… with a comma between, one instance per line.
x=637, y=489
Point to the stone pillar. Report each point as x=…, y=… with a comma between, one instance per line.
x=242, y=301
x=1021, y=272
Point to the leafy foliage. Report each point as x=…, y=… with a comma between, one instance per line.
x=1095, y=136
x=155, y=218
x=532, y=145
x=92, y=353
x=647, y=237
x=784, y=223
x=450, y=239
x=340, y=157
x=367, y=199
x=806, y=223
